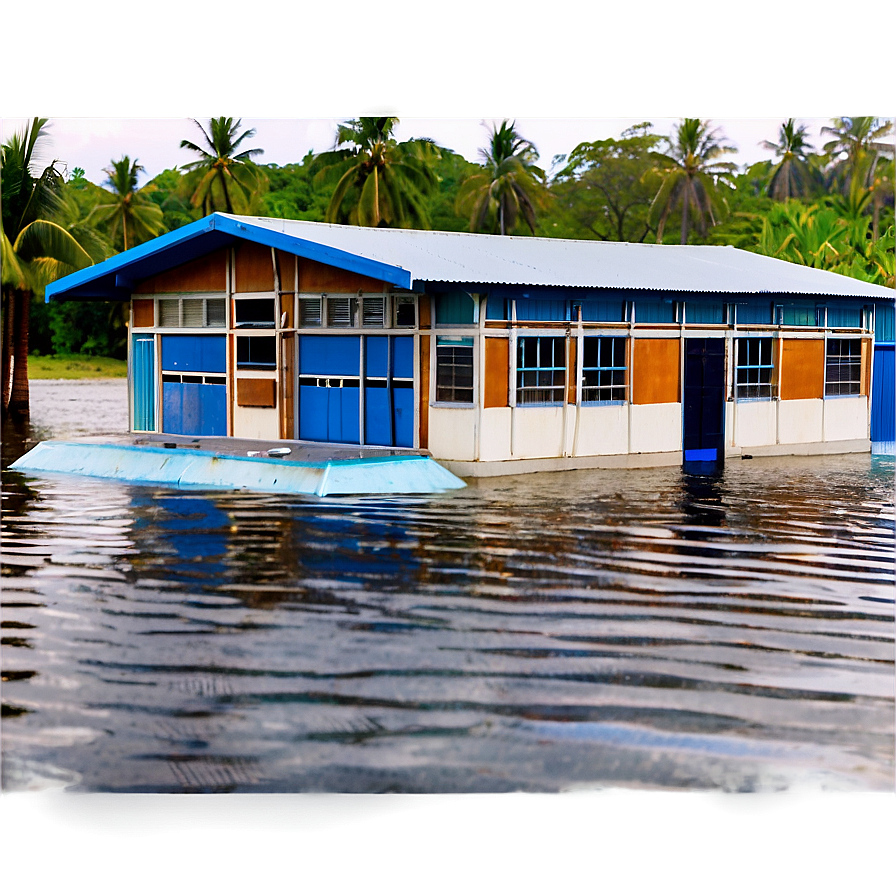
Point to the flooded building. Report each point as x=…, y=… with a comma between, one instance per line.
x=496, y=354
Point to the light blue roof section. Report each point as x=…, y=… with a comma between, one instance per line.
x=414, y=258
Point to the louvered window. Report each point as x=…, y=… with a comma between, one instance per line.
x=339, y=311
x=309, y=312
x=216, y=311
x=169, y=312
x=374, y=311
x=193, y=312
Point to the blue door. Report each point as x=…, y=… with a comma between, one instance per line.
x=704, y=401
x=143, y=366
x=883, y=395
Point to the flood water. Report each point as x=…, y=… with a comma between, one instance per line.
x=642, y=629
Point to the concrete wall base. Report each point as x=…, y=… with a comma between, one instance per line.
x=468, y=469
x=845, y=446
x=487, y=469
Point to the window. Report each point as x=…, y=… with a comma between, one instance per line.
x=405, y=312
x=755, y=368
x=603, y=368
x=310, y=312
x=843, y=367
x=256, y=352
x=454, y=369
x=540, y=369
x=340, y=312
x=254, y=313
x=374, y=311
x=192, y=312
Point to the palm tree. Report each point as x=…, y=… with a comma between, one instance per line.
x=128, y=209
x=691, y=176
x=34, y=250
x=511, y=184
x=223, y=178
x=790, y=177
x=857, y=143
x=378, y=182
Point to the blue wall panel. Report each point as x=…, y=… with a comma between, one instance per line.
x=330, y=355
x=883, y=395
x=377, y=355
x=213, y=410
x=403, y=420
x=313, y=413
x=403, y=356
x=203, y=354
x=376, y=416
x=172, y=407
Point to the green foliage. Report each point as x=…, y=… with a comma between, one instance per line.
x=692, y=178
x=377, y=181
x=171, y=195
x=129, y=212
x=224, y=177
x=509, y=187
x=292, y=192
x=791, y=176
x=605, y=189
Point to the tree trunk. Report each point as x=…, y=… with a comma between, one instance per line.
x=19, y=397
x=685, y=208
x=6, y=361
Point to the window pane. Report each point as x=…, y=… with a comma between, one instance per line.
x=454, y=370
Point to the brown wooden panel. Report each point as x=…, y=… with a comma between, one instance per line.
x=497, y=361
x=205, y=274
x=286, y=265
x=287, y=404
x=287, y=307
x=802, y=369
x=656, y=371
x=253, y=268
x=256, y=393
x=423, y=397
x=571, y=371
x=424, y=312
x=144, y=313
x=317, y=277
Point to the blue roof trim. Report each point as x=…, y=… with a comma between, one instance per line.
x=122, y=261
x=357, y=264
x=114, y=277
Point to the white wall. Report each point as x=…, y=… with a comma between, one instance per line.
x=846, y=417
x=494, y=437
x=656, y=427
x=603, y=429
x=752, y=423
x=256, y=423
x=537, y=432
x=799, y=420
x=452, y=433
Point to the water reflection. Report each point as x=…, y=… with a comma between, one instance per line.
x=646, y=628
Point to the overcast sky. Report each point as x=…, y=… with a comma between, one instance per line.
x=91, y=143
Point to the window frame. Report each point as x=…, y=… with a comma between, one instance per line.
x=759, y=382
x=598, y=369
x=839, y=362
x=521, y=390
x=454, y=342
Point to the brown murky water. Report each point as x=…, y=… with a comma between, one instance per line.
x=635, y=628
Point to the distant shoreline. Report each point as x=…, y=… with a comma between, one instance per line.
x=75, y=367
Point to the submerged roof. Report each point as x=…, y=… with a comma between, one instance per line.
x=411, y=259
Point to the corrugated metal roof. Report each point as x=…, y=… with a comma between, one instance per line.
x=441, y=257
x=414, y=258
